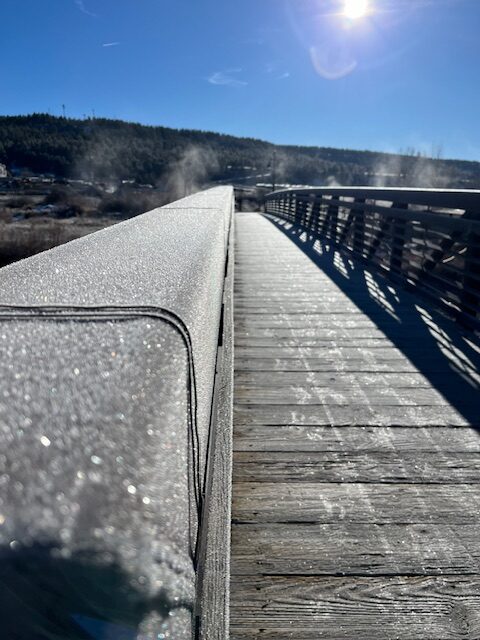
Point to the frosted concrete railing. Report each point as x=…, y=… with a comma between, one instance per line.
x=109, y=347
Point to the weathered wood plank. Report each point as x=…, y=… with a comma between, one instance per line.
x=326, y=365
x=261, y=307
x=322, y=333
x=340, y=352
x=341, y=379
x=347, y=321
x=323, y=341
x=310, y=439
x=213, y=576
x=355, y=549
x=351, y=415
x=349, y=466
x=304, y=321
x=396, y=608
x=301, y=395
x=288, y=501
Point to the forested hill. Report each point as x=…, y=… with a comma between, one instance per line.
x=101, y=149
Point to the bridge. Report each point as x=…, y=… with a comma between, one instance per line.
x=328, y=347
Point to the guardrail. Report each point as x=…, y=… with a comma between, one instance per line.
x=428, y=240
x=115, y=423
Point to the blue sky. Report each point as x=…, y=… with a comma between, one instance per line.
x=288, y=71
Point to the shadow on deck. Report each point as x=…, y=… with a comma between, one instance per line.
x=446, y=355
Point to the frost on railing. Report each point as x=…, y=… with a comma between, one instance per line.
x=108, y=347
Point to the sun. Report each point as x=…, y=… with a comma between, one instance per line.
x=354, y=9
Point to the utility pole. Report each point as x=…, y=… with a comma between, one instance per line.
x=64, y=111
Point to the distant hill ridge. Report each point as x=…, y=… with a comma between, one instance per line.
x=102, y=149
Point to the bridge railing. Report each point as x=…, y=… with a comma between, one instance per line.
x=428, y=240
x=115, y=427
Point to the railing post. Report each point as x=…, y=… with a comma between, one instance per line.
x=311, y=209
x=359, y=228
x=471, y=280
x=399, y=228
x=291, y=206
x=332, y=218
x=302, y=210
x=315, y=214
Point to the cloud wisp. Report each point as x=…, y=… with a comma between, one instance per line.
x=110, y=44
x=226, y=78
x=81, y=7
x=274, y=68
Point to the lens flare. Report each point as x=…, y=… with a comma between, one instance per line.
x=354, y=9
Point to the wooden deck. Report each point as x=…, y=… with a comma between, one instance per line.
x=356, y=504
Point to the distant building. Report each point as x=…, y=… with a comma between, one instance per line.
x=3, y=171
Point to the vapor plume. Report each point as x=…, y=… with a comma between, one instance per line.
x=188, y=174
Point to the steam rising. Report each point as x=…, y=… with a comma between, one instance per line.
x=190, y=172
x=412, y=170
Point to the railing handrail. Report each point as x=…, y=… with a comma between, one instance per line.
x=447, y=198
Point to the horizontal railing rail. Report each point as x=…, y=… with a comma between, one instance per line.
x=109, y=356
x=428, y=240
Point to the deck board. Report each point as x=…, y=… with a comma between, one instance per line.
x=356, y=502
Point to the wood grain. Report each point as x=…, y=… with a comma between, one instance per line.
x=310, y=439
x=343, y=395
x=362, y=415
x=337, y=608
x=349, y=466
x=292, y=502
x=355, y=549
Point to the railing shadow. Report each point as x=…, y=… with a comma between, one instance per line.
x=447, y=356
x=44, y=596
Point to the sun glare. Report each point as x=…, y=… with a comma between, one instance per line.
x=354, y=9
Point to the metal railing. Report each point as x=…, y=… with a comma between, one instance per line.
x=111, y=348
x=428, y=240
